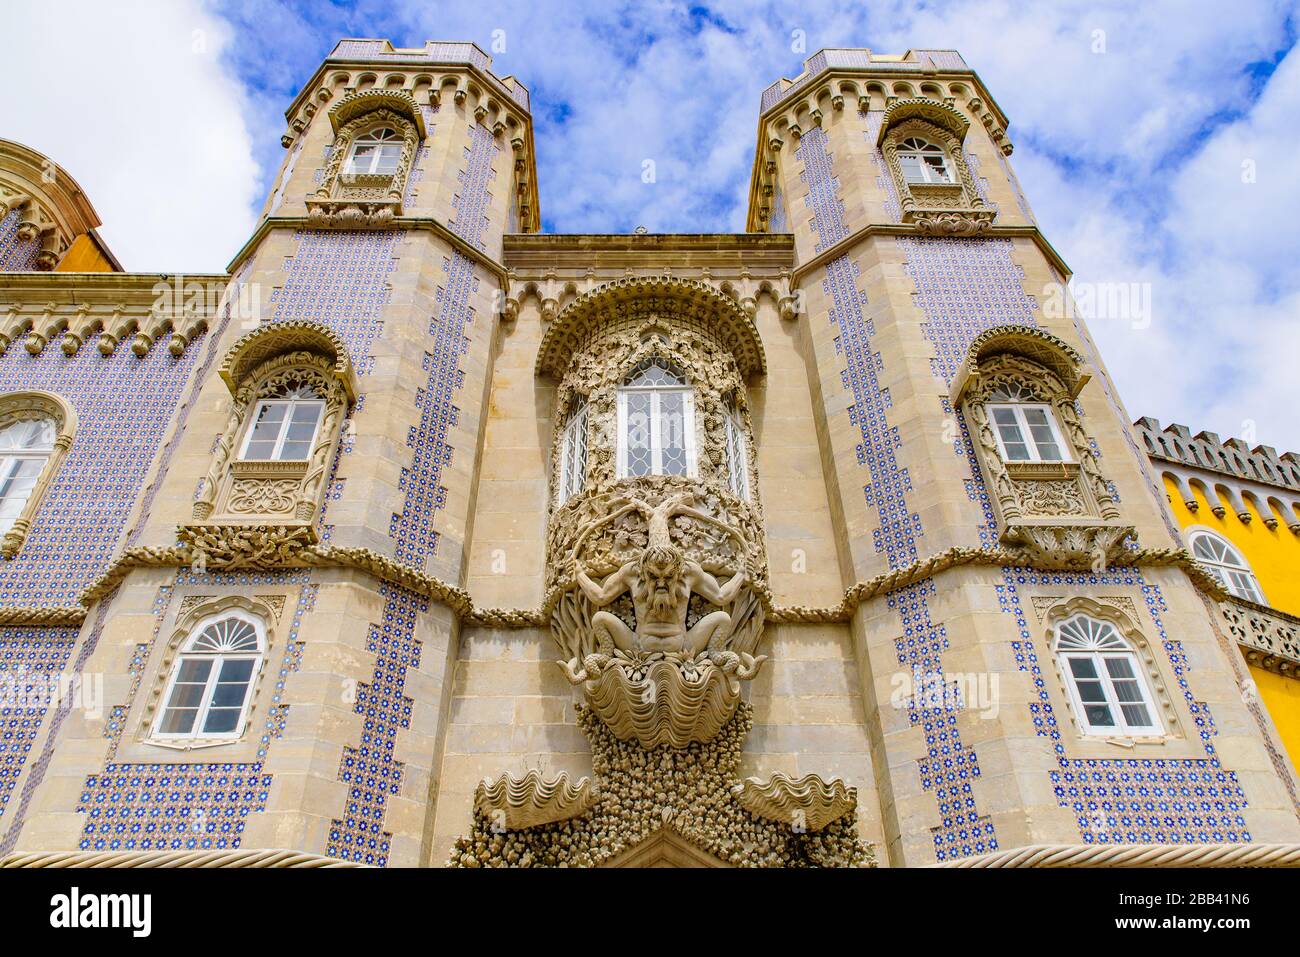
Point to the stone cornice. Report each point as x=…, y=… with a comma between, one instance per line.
x=93, y=288
x=252, y=857
x=461, y=603
x=398, y=222
x=907, y=229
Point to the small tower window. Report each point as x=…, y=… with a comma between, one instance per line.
x=212, y=681
x=284, y=427
x=1107, y=687
x=376, y=152
x=1227, y=565
x=25, y=447
x=737, y=455
x=573, y=454
x=1026, y=431
x=656, y=423
x=923, y=161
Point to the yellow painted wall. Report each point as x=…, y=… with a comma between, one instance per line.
x=1281, y=696
x=1274, y=554
x=84, y=255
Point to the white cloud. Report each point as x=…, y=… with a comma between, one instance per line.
x=133, y=101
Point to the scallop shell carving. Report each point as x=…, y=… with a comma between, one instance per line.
x=807, y=802
x=519, y=803
x=664, y=700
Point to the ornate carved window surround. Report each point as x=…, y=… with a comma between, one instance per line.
x=946, y=209
x=282, y=496
x=1062, y=513
x=1172, y=743
x=141, y=743
x=374, y=200
x=28, y=406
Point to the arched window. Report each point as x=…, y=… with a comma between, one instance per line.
x=923, y=161
x=737, y=455
x=212, y=681
x=25, y=447
x=375, y=153
x=573, y=454
x=284, y=425
x=656, y=422
x=1227, y=565
x=1105, y=676
x=1026, y=430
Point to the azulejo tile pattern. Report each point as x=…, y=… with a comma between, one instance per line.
x=1131, y=801
x=32, y=660
x=370, y=769
x=473, y=200
x=948, y=766
x=124, y=407
x=16, y=255
x=965, y=286
x=823, y=189
x=182, y=805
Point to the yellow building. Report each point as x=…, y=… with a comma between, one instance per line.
x=1239, y=509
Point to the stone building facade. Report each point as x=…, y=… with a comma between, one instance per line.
x=419, y=537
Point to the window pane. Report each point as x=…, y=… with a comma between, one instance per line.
x=637, y=433
x=937, y=168
x=221, y=720
x=386, y=160
x=1136, y=715
x=1099, y=716
x=1040, y=428
x=194, y=670
x=17, y=479
x=911, y=164
x=266, y=430
x=1120, y=668
x=237, y=669
x=178, y=720
x=186, y=695
x=229, y=695
x=672, y=432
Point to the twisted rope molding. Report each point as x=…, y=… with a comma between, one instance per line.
x=270, y=857
x=1137, y=855
x=462, y=604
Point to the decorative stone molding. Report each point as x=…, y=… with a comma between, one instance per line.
x=691, y=301
x=189, y=617
x=366, y=201
x=257, y=547
x=253, y=857
x=241, y=499
x=1267, y=638
x=691, y=802
x=1057, y=514
x=34, y=406
x=808, y=802
x=940, y=209
x=516, y=804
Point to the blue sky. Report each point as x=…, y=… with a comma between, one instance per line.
x=1134, y=124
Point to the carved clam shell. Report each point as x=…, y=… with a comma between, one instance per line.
x=533, y=799
x=808, y=801
x=662, y=702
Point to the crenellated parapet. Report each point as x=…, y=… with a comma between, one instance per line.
x=1228, y=473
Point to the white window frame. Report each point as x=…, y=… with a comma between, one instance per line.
x=927, y=171
x=737, y=455
x=1240, y=579
x=1098, y=656
x=218, y=660
x=350, y=167
x=1018, y=410
x=656, y=439
x=10, y=462
x=573, y=454
x=292, y=403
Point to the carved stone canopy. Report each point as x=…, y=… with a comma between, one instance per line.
x=689, y=299
x=272, y=339
x=923, y=108
x=368, y=101
x=1052, y=353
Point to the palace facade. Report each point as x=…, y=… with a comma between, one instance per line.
x=419, y=537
